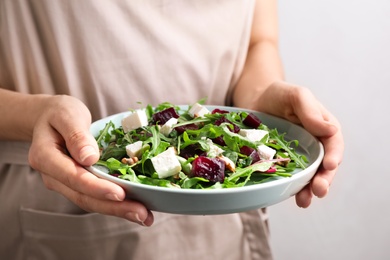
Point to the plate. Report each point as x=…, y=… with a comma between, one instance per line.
x=222, y=201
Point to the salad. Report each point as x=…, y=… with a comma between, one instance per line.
x=195, y=148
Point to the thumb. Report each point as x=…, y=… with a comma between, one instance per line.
x=316, y=119
x=73, y=125
x=82, y=147
x=79, y=142
x=318, y=126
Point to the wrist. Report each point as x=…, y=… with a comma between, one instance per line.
x=20, y=113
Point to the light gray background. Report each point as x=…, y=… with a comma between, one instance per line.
x=340, y=49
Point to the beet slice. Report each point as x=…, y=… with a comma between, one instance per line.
x=223, y=119
x=163, y=116
x=219, y=111
x=212, y=169
x=252, y=120
x=191, y=151
x=219, y=140
x=181, y=129
x=249, y=151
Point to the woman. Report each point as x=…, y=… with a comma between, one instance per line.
x=65, y=63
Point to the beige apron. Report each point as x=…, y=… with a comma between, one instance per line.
x=111, y=55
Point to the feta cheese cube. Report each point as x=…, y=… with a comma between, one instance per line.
x=265, y=152
x=135, y=120
x=134, y=149
x=166, y=129
x=253, y=135
x=198, y=110
x=214, y=150
x=166, y=163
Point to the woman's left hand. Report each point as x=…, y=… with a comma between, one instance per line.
x=298, y=105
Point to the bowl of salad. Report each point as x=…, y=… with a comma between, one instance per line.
x=202, y=160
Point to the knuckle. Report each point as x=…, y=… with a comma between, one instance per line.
x=76, y=138
x=48, y=183
x=81, y=200
x=34, y=157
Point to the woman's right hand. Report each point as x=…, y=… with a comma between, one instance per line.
x=62, y=146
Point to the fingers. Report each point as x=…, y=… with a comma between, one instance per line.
x=334, y=147
x=304, y=197
x=80, y=180
x=321, y=182
x=60, y=149
x=47, y=155
x=334, y=150
x=322, y=124
x=130, y=210
x=62, y=174
x=318, y=187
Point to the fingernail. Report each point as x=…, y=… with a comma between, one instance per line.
x=86, y=152
x=113, y=196
x=331, y=125
x=134, y=217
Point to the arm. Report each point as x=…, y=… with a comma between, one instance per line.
x=58, y=128
x=19, y=113
x=262, y=87
x=263, y=65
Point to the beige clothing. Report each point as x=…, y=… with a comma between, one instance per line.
x=111, y=55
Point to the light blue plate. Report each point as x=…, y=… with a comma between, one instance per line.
x=223, y=201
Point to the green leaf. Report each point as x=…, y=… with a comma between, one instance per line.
x=157, y=182
x=244, y=172
x=279, y=138
x=104, y=134
x=191, y=182
x=130, y=175
x=113, y=151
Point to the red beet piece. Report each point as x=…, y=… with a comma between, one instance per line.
x=163, y=116
x=181, y=129
x=220, y=111
x=212, y=169
x=249, y=151
x=219, y=140
x=252, y=120
x=223, y=119
x=191, y=151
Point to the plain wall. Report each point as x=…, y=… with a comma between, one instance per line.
x=340, y=50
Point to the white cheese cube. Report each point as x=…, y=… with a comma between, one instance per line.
x=214, y=150
x=265, y=152
x=198, y=110
x=134, y=149
x=253, y=135
x=166, y=129
x=166, y=163
x=135, y=120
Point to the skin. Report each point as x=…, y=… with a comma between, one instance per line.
x=62, y=144
x=262, y=87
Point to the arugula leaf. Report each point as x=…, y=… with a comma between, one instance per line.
x=247, y=171
x=157, y=182
x=104, y=134
x=279, y=138
x=113, y=151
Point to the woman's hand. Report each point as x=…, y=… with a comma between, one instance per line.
x=62, y=146
x=298, y=105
